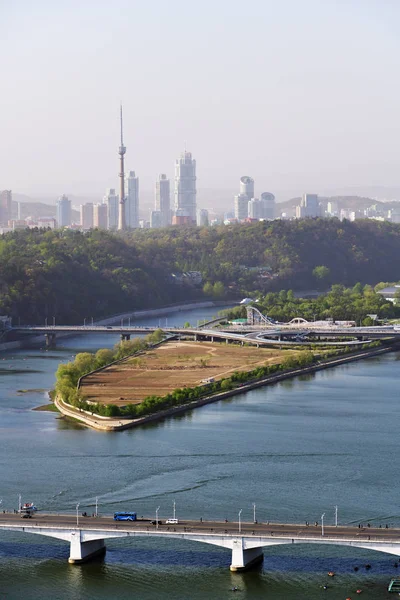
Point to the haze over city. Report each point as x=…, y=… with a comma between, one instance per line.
x=301, y=96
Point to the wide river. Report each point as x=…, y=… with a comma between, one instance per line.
x=295, y=450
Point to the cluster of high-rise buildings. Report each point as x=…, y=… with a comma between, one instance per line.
x=248, y=208
x=183, y=211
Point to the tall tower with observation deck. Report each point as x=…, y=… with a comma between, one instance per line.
x=122, y=199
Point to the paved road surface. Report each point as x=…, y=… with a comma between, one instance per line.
x=204, y=527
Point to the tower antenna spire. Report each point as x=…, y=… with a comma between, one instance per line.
x=122, y=129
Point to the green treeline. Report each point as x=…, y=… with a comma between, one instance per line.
x=68, y=375
x=339, y=304
x=181, y=396
x=72, y=275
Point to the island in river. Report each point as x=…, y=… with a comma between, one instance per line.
x=177, y=376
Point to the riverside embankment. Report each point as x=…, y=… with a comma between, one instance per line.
x=118, y=424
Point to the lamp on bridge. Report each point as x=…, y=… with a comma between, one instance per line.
x=322, y=524
x=240, y=523
x=77, y=515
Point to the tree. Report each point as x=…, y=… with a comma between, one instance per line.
x=208, y=289
x=218, y=289
x=321, y=273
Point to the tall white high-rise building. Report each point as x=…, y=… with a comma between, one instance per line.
x=267, y=201
x=185, y=185
x=241, y=205
x=132, y=200
x=163, y=199
x=111, y=199
x=63, y=211
x=247, y=186
x=254, y=209
x=86, y=211
x=100, y=216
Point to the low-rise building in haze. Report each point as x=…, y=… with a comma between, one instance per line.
x=155, y=219
x=202, y=217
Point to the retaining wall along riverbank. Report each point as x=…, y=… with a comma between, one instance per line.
x=119, y=424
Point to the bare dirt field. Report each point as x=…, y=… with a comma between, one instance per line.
x=173, y=365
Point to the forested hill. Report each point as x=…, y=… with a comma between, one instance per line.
x=74, y=275
x=363, y=251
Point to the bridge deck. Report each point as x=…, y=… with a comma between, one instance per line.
x=268, y=531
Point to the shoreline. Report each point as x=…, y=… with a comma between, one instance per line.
x=101, y=423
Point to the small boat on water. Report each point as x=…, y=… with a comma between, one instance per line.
x=331, y=573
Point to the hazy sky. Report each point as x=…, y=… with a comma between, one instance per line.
x=296, y=93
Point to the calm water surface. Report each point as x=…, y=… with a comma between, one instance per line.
x=295, y=450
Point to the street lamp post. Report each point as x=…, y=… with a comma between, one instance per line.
x=322, y=524
x=157, y=509
x=45, y=322
x=336, y=511
x=254, y=512
x=77, y=515
x=84, y=322
x=174, y=510
x=240, y=522
x=97, y=502
x=54, y=321
x=19, y=503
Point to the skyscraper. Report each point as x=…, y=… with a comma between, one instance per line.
x=310, y=204
x=254, y=209
x=185, y=185
x=5, y=207
x=247, y=186
x=63, y=212
x=112, y=202
x=241, y=207
x=132, y=200
x=163, y=199
x=242, y=200
x=86, y=212
x=100, y=217
x=267, y=201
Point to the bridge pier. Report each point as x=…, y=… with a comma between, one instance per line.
x=243, y=559
x=81, y=552
x=50, y=340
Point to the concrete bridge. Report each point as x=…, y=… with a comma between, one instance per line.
x=285, y=334
x=245, y=540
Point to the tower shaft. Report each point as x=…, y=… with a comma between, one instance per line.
x=122, y=199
